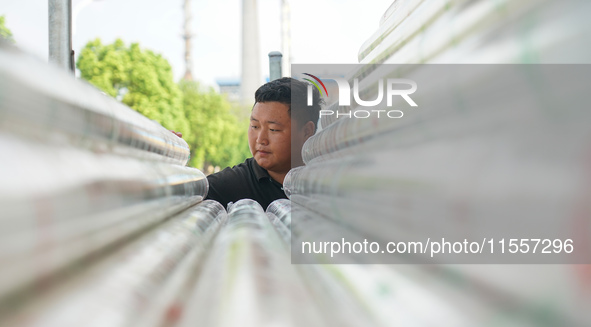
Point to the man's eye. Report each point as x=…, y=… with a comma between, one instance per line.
x=274, y=130
x=253, y=127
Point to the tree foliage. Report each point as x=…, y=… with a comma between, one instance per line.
x=5, y=31
x=139, y=78
x=143, y=80
x=218, y=138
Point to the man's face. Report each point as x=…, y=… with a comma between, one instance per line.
x=269, y=136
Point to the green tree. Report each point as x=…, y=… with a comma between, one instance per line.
x=143, y=80
x=139, y=78
x=4, y=31
x=219, y=137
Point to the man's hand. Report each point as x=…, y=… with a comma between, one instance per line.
x=179, y=134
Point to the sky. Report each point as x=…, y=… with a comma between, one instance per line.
x=322, y=31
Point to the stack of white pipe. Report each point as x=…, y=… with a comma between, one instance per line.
x=444, y=167
x=139, y=284
x=474, y=32
x=99, y=225
x=248, y=280
x=82, y=175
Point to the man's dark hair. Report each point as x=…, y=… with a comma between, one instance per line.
x=294, y=94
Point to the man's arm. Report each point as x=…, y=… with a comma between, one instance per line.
x=217, y=189
x=229, y=185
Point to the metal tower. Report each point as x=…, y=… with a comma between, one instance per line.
x=251, y=71
x=188, y=36
x=286, y=37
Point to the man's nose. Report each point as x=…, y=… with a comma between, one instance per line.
x=262, y=137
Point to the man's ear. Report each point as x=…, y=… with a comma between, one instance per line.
x=309, y=129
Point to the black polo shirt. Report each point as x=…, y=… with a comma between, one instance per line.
x=247, y=180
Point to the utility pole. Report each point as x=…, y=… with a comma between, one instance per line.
x=60, y=34
x=188, y=36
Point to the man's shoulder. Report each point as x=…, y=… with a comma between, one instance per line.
x=241, y=170
x=232, y=184
x=246, y=180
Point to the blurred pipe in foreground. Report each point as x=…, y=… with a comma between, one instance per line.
x=82, y=176
x=61, y=205
x=493, y=145
x=282, y=209
x=248, y=279
x=142, y=275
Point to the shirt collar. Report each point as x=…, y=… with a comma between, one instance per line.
x=262, y=174
x=259, y=172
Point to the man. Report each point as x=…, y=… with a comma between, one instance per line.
x=280, y=123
